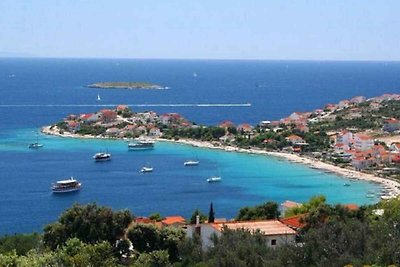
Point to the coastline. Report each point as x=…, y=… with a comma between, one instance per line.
x=392, y=186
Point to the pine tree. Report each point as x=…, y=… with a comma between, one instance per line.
x=211, y=217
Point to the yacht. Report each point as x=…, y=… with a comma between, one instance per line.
x=66, y=186
x=141, y=145
x=102, y=156
x=191, y=163
x=214, y=179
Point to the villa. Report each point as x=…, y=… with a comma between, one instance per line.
x=275, y=232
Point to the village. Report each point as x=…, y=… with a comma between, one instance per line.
x=354, y=134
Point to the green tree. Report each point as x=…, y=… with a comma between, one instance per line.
x=211, y=214
x=145, y=237
x=196, y=213
x=89, y=223
x=268, y=210
x=21, y=243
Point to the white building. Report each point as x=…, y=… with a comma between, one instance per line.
x=275, y=232
x=363, y=142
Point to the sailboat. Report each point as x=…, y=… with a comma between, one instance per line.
x=36, y=144
x=98, y=97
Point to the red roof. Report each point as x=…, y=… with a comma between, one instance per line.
x=173, y=220
x=294, y=221
x=351, y=206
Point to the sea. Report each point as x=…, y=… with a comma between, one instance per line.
x=35, y=92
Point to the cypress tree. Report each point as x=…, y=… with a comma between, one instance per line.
x=211, y=214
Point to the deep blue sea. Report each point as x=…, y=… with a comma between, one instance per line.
x=37, y=92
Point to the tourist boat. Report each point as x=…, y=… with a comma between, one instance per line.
x=36, y=144
x=66, y=186
x=214, y=179
x=141, y=145
x=102, y=156
x=191, y=163
x=146, y=169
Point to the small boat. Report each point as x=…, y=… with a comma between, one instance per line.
x=194, y=74
x=36, y=144
x=102, y=156
x=346, y=184
x=370, y=195
x=214, y=179
x=66, y=186
x=98, y=97
x=146, y=169
x=141, y=145
x=191, y=163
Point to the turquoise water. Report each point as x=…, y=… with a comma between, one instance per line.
x=171, y=189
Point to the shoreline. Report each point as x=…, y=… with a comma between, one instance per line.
x=392, y=186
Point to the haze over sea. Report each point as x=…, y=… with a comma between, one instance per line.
x=37, y=92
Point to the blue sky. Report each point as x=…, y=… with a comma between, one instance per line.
x=204, y=29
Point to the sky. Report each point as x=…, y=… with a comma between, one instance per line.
x=202, y=29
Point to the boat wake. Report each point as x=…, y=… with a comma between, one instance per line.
x=132, y=105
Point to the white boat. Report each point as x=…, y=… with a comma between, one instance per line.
x=346, y=184
x=214, y=179
x=146, y=169
x=191, y=163
x=66, y=186
x=36, y=144
x=194, y=74
x=102, y=156
x=141, y=145
x=98, y=97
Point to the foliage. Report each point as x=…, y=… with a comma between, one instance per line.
x=156, y=217
x=197, y=212
x=21, y=243
x=89, y=223
x=211, y=214
x=147, y=238
x=313, y=204
x=268, y=210
x=91, y=129
x=157, y=258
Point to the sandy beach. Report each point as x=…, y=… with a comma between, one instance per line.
x=392, y=187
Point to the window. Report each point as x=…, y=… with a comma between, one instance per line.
x=273, y=242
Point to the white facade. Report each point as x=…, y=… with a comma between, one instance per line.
x=363, y=142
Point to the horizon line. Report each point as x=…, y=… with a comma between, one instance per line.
x=197, y=59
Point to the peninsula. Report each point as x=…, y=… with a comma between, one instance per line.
x=126, y=85
x=358, y=138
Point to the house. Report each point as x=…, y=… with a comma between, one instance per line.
x=226, y=124
x=363, y=142
x=113, y=131
x=294, y=139
x=344, y=103
x=361, y=163
x=122, y=107
x=245, y=128
x=358, y=99
x=275, y=232
x=108, y=115
x=345, y=138
x=73, y=126
x=154, y=131
x=391, y=125
x=175, y=221
x=295, y=222
x=227, y=138
x=90, y=118
x=289, y=205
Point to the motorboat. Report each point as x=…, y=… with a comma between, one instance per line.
x=141, y=145
x=146, y=169
x=214, y=179
x=66, y=186
x=102, y=156
x=35, y=145
x=191, y=163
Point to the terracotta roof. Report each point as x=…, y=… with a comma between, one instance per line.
x=268, y=227
x=294, y=221
x=351, y=206
x=173, y=219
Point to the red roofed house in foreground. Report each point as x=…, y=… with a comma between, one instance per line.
x=173, y=221
x=295, y=222
x=275, y=232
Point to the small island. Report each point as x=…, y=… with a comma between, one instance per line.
x=125, y=85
